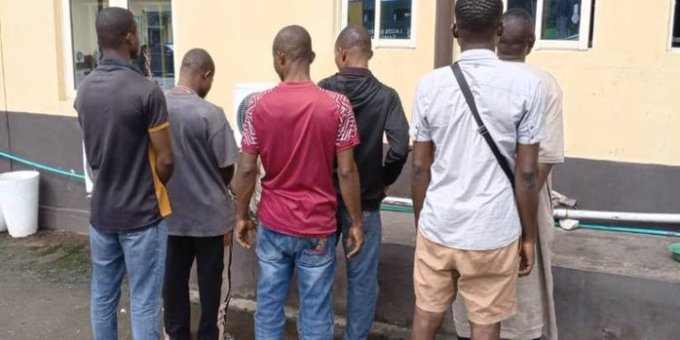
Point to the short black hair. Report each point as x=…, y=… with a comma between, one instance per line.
x=518, y=31
x=295, y=42
x=113, y=24
x=197, y=60
x=518, y=14
x=355, y=38
x=478, y=16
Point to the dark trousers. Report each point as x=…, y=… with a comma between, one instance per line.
x=209, y=255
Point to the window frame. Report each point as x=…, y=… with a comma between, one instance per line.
x=67, y=41
x=584, y=29
x=376, y=40
x=674, y=4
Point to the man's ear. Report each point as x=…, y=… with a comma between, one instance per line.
x=312, y=56
x=500, y=29
x=454, y=29
x=129, y=37
x=280, y=57
x=208, y=74
x=343, y=55
x=370, y=55
x=531, y=42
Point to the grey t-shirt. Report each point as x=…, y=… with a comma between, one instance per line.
x=203, y=143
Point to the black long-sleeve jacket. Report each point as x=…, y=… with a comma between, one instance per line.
x=378, y=112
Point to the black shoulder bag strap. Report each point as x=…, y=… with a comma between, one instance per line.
x=470, y=99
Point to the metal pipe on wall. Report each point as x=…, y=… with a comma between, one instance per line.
x=561, y=213
x=616, y=216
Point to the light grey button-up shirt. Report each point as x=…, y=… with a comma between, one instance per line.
x=470, y=203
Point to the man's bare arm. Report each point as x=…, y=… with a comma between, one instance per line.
x=526, y=190
x=543, y=173
x=165, y=161
x=244, y=185
x=423, y=156
x=348, y=176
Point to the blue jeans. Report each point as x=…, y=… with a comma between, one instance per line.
x=314, y=258
x=362, y=274
x=140, y=254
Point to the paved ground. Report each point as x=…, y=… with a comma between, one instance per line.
x=44, y=291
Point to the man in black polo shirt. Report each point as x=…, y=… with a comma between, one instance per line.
x=378, y=111
x=124, y=121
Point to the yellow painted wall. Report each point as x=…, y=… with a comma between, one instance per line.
x=2, y=74
x=621, y=99
x=33, y=59
x=239, y=35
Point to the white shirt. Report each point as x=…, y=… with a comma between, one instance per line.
x=470, y=203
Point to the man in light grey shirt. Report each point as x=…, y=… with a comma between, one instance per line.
x=469, y=223
x=535, y=318
x=204, y=213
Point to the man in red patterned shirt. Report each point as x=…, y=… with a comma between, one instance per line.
x=299, y=131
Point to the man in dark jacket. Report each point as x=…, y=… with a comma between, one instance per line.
x=378, y=110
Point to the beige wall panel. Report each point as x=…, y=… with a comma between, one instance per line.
x=621, y=98
x=621, y=101
x=32, y=42
x=3, y=103
x=239, y=35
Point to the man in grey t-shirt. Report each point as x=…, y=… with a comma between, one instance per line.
x=205, y=152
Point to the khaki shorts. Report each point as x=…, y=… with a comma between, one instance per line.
x=486, y=280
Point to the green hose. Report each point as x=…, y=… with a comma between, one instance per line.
x=625, y=229
x=44, y=167
x=396, y=208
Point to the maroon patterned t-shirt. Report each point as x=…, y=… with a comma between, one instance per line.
x=297, y=129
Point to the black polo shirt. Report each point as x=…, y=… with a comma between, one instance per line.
x=117, y=109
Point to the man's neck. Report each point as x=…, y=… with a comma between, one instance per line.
x=298, y=74
x=469, y=47
x=357, y=64
x=512, y=58
x=187, y=84
x=116, y=55
x=477, y=44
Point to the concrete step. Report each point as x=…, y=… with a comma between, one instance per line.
x=607, y=285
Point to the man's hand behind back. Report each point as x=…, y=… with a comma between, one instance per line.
x=229, y=239
x=527, y=256
x=244, y=227
x=355, y=239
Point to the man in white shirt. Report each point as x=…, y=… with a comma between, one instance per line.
x=535, y=318
x=474, y=237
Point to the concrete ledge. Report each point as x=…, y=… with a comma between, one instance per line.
x=615, y=286
x=593, y=305
x=630, y=255
x=607, y=285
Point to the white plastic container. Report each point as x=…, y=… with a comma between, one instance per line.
x=19, y=202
